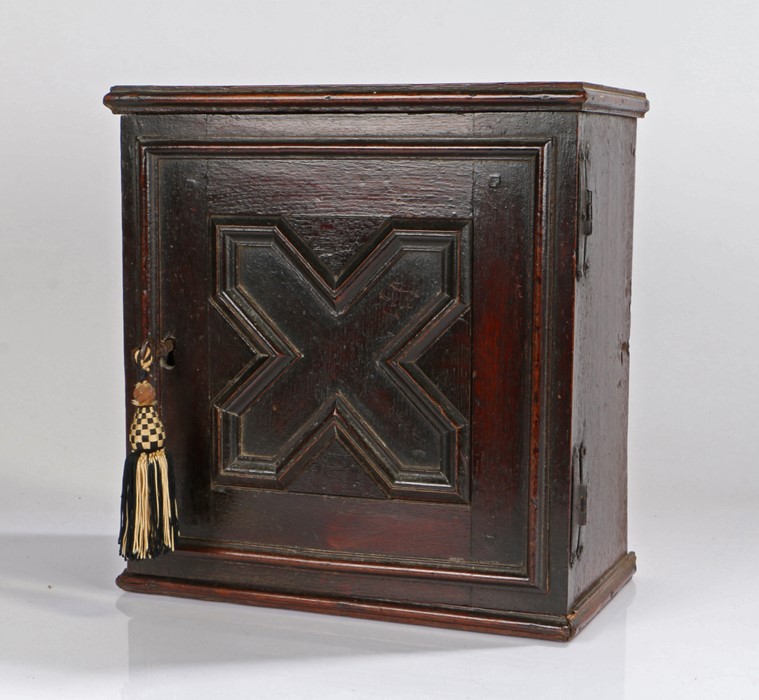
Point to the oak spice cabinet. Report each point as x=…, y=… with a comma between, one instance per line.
x=401, y=324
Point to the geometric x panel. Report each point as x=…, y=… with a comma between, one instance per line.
x=333, y=399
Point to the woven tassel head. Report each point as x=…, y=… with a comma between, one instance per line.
x=146, y=432
x=149, y=523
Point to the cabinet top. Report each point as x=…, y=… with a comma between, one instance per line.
x=475, y=97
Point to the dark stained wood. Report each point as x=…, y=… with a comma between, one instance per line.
x=386, y=361
x=551, y=627
x=602, y=348
x=360, y=98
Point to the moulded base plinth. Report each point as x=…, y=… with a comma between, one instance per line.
x=552, y=627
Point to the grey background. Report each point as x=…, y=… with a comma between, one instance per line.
x=694, y=476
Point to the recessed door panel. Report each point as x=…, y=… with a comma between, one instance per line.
x=337, y=317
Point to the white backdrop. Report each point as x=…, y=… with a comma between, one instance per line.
x=694, y=471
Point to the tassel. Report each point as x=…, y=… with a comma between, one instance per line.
x=149, y=522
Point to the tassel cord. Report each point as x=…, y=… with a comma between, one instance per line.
x=149, y=519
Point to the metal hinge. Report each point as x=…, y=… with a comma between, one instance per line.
x=585, y=228
x=587, y=213
x=579, y=502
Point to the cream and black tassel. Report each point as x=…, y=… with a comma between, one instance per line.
x=149, y=523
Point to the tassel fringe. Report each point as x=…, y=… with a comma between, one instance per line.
x=148, y=506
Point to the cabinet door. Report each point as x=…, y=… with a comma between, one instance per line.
x=357, y=335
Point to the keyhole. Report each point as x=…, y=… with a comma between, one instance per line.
x=166, y=353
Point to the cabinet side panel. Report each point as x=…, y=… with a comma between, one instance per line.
x=601, y=359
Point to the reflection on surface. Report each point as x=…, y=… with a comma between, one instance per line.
x=288, y=651
x=176, y=631
x=66, y=625
x=57, y=610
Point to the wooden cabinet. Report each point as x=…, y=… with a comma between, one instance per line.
x=401, y=318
